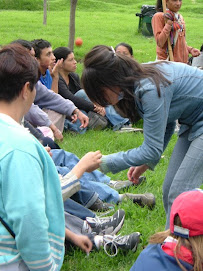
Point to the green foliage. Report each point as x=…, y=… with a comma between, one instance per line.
x=21, y=4
x=97, y=22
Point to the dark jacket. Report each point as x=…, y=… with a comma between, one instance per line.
x=68, y=91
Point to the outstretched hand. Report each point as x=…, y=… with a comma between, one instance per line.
x=91, y=161
x=135, y=172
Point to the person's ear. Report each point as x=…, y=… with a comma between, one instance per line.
x=26, y=90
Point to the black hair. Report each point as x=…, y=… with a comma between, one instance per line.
x=62, y=52
x=105, y=69
x=25, y=43
x=39, y=45
x=130, y=49
x=159, y=6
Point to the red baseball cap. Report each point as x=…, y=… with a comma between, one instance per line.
x=189, y=207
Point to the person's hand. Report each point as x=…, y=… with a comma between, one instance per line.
x=83, y=119
x=58, y=135
x=169, y=17
x=90, y=161
x=48, y=149
x=54, y=70
x=74, y=117
x=135, y=172
x=195, y=52
x=83, y=242
x=100, y=110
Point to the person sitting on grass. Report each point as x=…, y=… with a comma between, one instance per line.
x=97, y=233
x=69, y=88
x=47, y=62
x=53, y=104
x=29, y=206
x=181, y=247
x=36, y=116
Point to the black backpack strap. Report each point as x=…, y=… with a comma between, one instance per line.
x=7, y=227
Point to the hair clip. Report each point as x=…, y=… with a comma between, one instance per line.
x=113, y=50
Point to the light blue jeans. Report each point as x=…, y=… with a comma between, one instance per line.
x=185, y=171
x=94, y=182
x=115, y=119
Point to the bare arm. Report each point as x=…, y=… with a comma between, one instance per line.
x=81, y=241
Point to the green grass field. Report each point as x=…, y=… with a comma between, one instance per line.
x=103, y=22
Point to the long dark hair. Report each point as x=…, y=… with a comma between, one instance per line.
x=103, y=68
x=159, y=6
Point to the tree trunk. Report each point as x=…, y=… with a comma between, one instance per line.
x=73, y=4
x=45, y=12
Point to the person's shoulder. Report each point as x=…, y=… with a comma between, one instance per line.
x=16, y=138
x=145, y=259
x=61, y=80
x=158, y=15
x=74, y=76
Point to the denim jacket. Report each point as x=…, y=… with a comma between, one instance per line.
x=181, y=100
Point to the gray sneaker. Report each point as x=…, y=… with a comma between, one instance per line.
x=107, y=225
x=129, y=130
x=127, y=242
x=119, y=185
x=146, y=199
x=100, y=206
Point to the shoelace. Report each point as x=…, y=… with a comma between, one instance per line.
x=112, y=244
x=99, y=221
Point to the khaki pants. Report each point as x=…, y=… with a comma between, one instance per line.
x=56, y=118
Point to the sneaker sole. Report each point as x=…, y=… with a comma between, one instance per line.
x=128, y=184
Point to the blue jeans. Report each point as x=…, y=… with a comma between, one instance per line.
x=75, y=127
x=115, y=119
x=185, y=171
x=95, y=182
x=76, y=209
